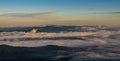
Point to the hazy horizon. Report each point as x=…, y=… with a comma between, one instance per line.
x=59, y=12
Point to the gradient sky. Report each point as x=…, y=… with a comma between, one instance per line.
x=59, y=12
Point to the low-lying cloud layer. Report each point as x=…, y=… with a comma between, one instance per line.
x=88, y=45
x=70, y=39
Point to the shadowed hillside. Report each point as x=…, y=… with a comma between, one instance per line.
x=46, y=53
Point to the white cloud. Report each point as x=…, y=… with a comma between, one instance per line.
x=90, y=38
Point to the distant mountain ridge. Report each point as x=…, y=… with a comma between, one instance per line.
x=54, y=28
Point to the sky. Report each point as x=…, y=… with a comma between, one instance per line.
x=59, y=12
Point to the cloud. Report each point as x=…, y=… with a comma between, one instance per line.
x=115, y=12
x=38, y=39
x=107, y=12
x=25, y=14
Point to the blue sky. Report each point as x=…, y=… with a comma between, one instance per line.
x=66, y=12
x=7, y=6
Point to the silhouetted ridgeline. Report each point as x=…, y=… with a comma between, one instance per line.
x=54, y=28
x=47, y=53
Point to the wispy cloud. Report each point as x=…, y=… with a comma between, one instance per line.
x=25, y=14
x=107, y=12
x=114, y=12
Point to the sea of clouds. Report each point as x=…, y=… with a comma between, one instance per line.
x=108, y=42
x=87, y=38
